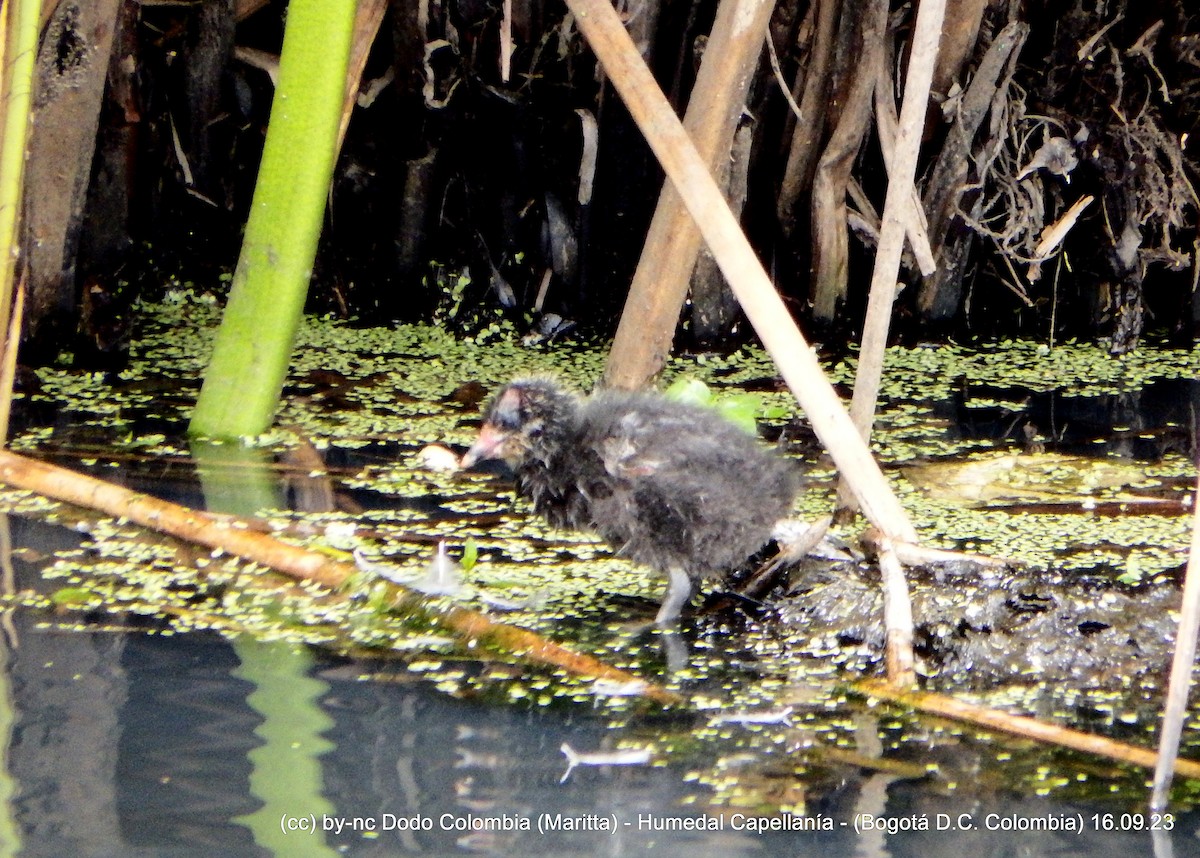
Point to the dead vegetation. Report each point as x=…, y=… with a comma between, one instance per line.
x=489, y=170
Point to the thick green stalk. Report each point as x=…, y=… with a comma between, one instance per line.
x=20, y=53
x=254, y=344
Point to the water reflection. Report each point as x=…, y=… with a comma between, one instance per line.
x=1144, y=423
x=146, y=745
x=286, y=769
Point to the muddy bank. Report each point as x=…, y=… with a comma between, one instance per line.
x=983, y=627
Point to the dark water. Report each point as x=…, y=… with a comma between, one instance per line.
x=1142, y=424
x=143, y=745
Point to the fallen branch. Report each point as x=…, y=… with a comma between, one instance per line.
x=1019, y=725
x=912, y=554
x=298, y=563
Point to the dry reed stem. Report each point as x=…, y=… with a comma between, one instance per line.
x=298, y=563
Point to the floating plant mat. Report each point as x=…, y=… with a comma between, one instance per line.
x=764, y=727
x=1011, y=479
x=368, y=400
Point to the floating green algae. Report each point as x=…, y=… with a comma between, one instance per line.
x=386, y=392
x=370, y=398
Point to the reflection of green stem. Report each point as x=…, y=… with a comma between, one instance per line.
x=10, y=832
x=254, y=344
x=286, y=771
x=236, y=480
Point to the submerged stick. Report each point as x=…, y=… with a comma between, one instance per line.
x=1181, y=673
x=1019, y=725
x=298, y=563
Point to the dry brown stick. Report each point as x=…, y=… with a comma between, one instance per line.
x=8, y=360
x=299, y=563
x=960, y=36
x=948, y=178
x=901, y=170
x=796, y=359
x=367, y=18
x=814, y=105
x=660, y=284
x=1054, y=235
x=506, y=41
x=898, y=618
x=243, y=9
x=902, y=165
x=1181, y=673
x=830, y=246
x=264, y=61
x=918, y=555
x=1019, y=725
x=887, y=126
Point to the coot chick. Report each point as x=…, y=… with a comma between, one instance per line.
x=673, y=486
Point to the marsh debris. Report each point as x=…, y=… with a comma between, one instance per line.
x=979, y=627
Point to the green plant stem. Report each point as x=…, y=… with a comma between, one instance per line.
x=20, y=53
x=254, y=344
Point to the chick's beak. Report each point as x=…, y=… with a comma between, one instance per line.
x=489, y=445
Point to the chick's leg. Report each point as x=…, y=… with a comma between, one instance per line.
x=679, y=590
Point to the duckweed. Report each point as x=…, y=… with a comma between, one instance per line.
x=370, y=398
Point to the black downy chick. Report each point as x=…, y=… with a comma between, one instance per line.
x=675, y=487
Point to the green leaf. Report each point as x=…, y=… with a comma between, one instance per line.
x=689, y=391
x=470, y=554
x=72, y=597
x=741, y=409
